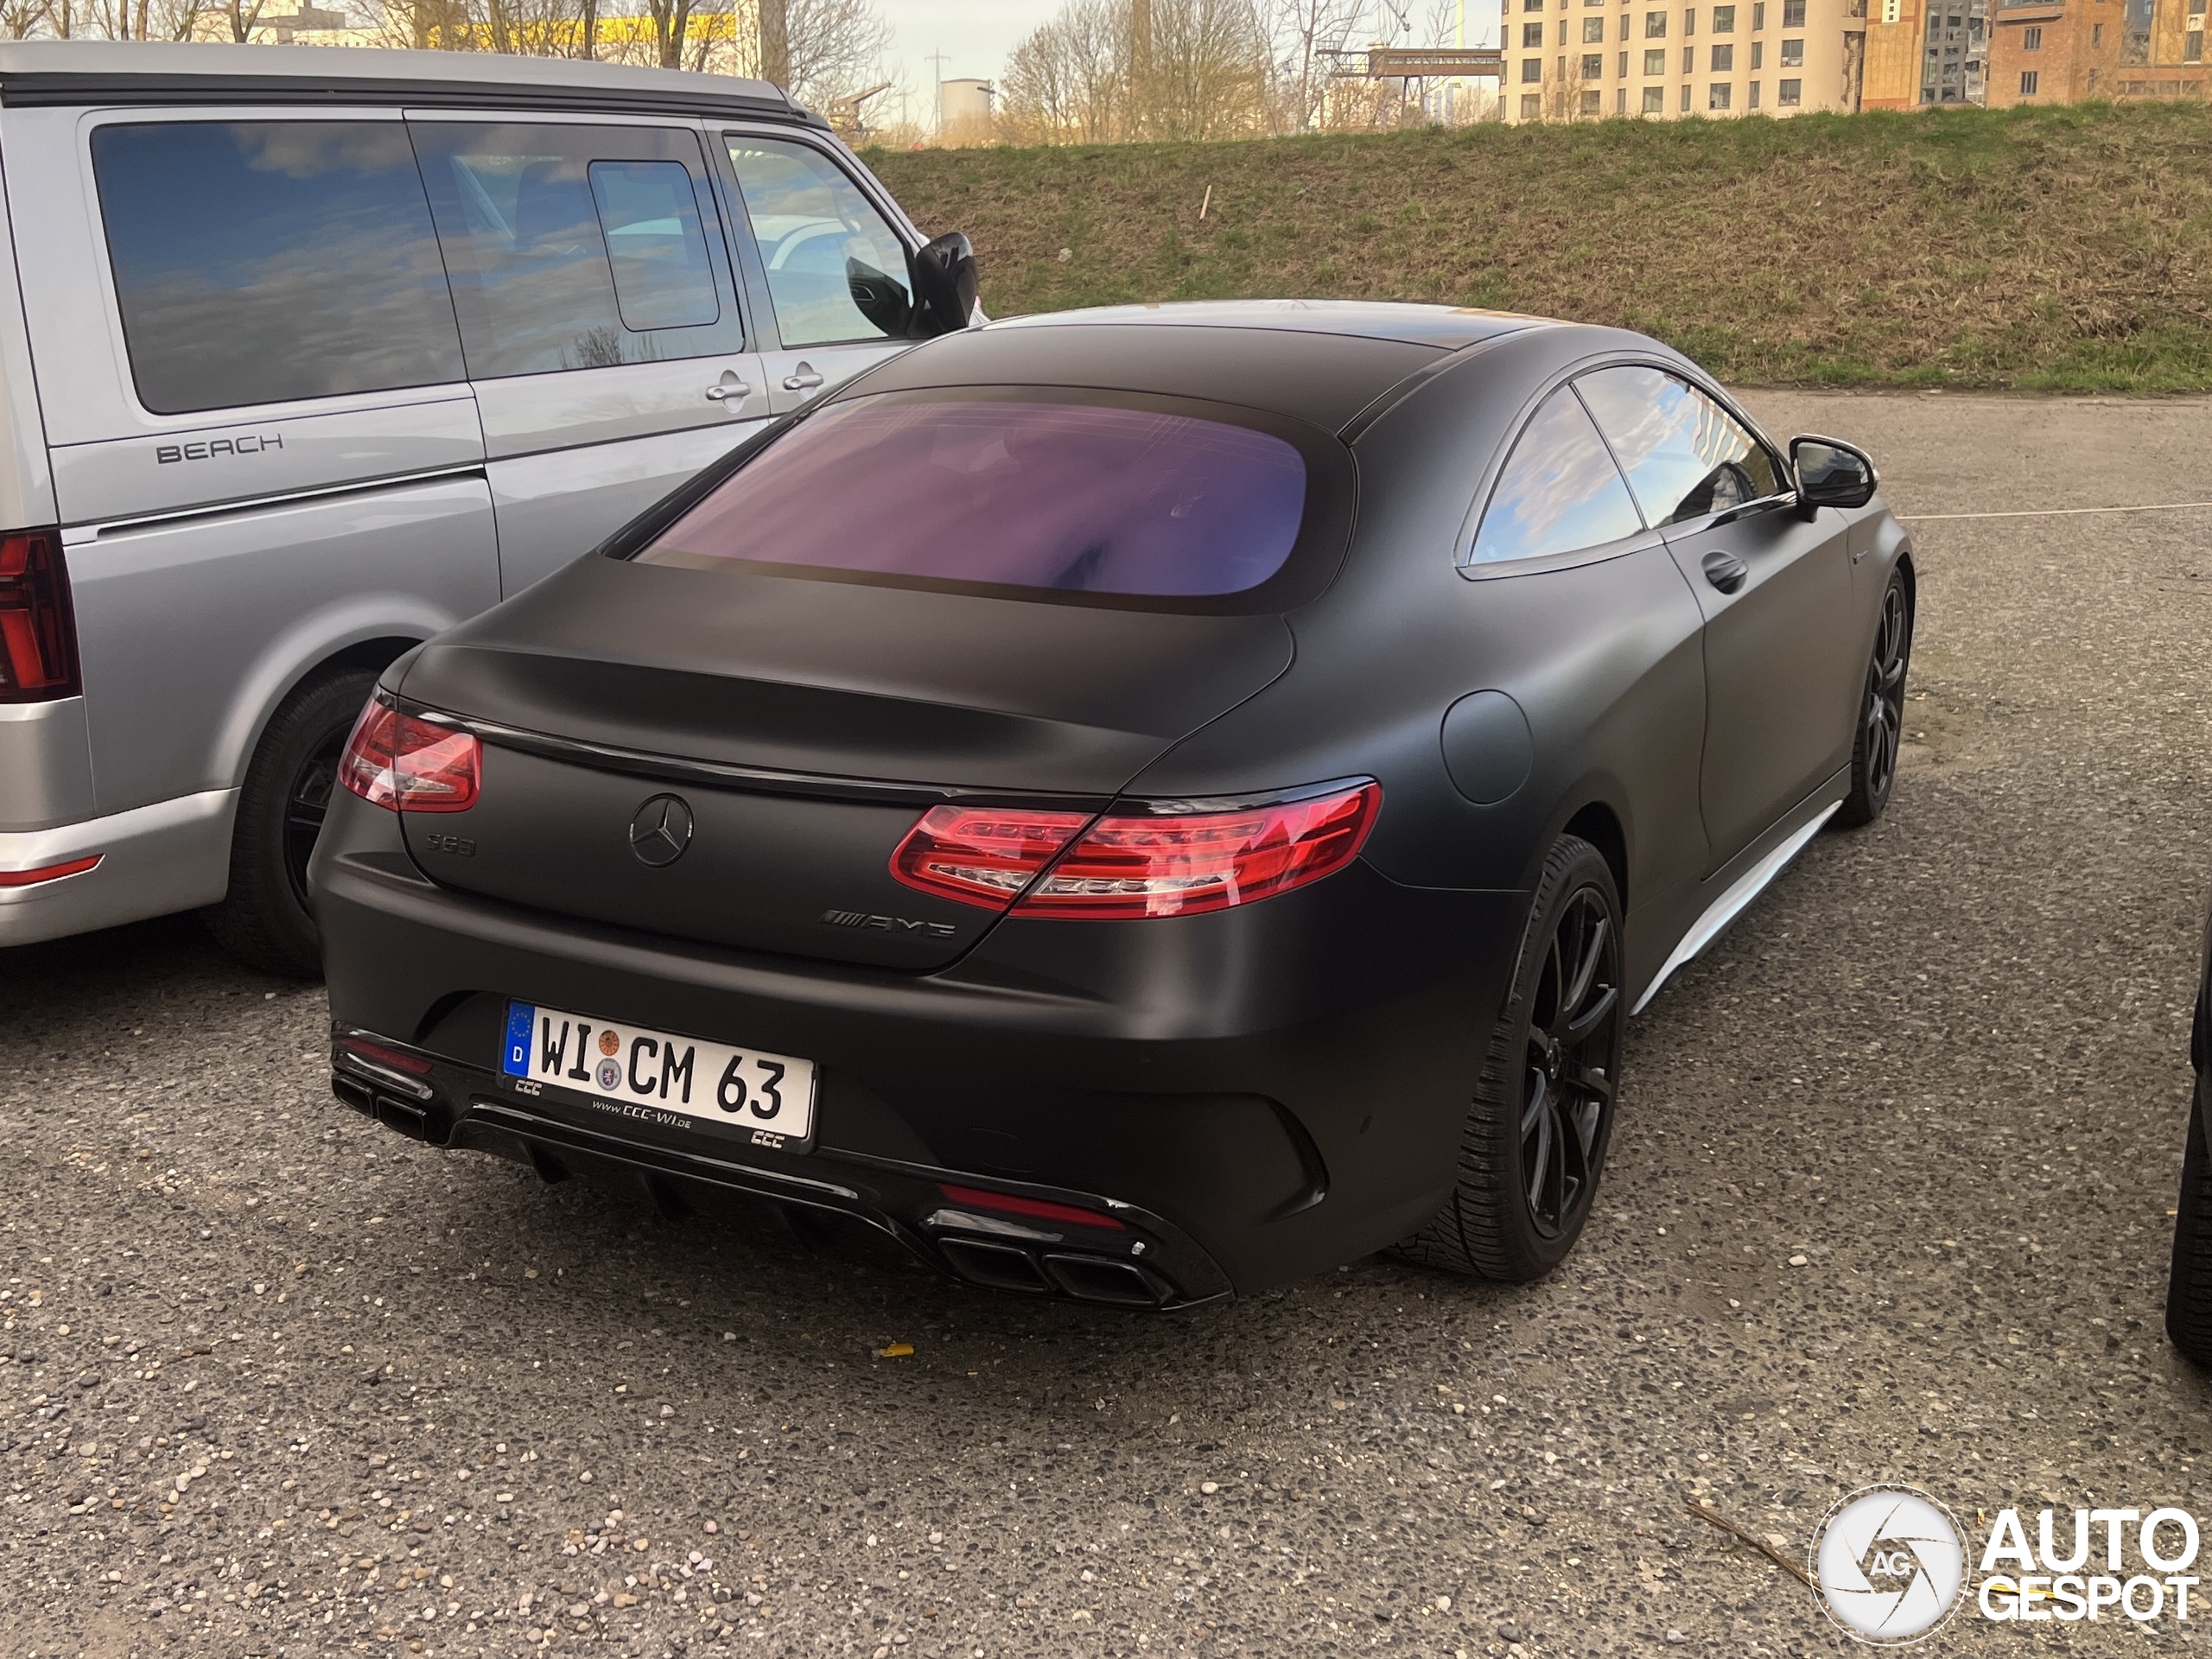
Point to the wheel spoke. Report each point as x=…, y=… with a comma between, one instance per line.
x=1540, y=1100
x=1594, y=1016
x=1593, y=956
x=1537, y=1165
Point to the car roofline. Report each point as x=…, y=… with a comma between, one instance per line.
x=67, y=74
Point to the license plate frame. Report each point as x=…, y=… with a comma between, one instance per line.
x=716, y=1090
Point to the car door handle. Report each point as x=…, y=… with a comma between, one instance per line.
x=1726, y=571
x=802, y=378
x=728, y=389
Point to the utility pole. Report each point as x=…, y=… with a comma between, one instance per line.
x=937, y=60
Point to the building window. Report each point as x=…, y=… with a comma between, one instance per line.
x=1593, y=67
x=1793, y=14
x=1532, y=105
x=1789, y=94
x=1655, y=25
x=2192, y=46
x=1593, y=31
x=1793, y=53
x=1591, y=104
x=1532, y=37
x=2096, y=35
x=1655, y=62
x=1724, y=20
x=1686, y=100
x=2027, y=83
x=1723, y=59
x=1620, y=100
x=1624, y=27
x=1927, y=94
x=1716, y=96
x=1758, y=55
x=1752, y=98
x=1758, y=15
x=1532, y=70
x=1623, y=65
x=1654, y=100
x=2031, y=38
x=1689, y=60
x=1690, y=21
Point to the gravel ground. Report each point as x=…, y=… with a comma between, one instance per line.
x=1890, y=1199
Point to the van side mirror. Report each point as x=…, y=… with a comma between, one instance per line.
x=944, y=285
x=1831, y=473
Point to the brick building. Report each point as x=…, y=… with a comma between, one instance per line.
x=1584, y=60
x=2062, y=51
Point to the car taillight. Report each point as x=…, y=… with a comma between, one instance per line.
x=982, y=856
x=1185, y=864
x=1126, y=865
x=38, y=637
x=408, y=764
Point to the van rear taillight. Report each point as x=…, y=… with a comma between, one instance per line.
x=38, y=636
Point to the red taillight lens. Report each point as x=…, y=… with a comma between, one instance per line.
x=408, y=764
x=1012, y=1203
x=1186, y=864
x=982, y=856
x=38, y=637
x=1168, y=864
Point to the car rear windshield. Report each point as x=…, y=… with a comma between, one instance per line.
x=1069, y=498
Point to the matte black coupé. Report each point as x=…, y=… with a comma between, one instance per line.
x=1139, y=804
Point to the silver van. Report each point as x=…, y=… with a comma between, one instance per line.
x=308, y=353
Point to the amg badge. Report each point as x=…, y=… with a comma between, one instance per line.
x=888, y=924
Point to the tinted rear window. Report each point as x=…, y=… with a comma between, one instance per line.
x=1075, y=498
x=261, y=261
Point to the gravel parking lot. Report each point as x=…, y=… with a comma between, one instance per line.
x=1890, y=1198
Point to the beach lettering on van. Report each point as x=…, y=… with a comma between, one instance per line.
x=249, y=443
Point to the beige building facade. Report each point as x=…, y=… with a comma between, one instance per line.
x=1589, y=59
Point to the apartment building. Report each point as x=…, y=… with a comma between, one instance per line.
x=1924, y=53
x=2060, y=51
x=1583, y=59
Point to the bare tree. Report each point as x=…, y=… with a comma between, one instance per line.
x=19, y=19
x=1307, y=35
x=832, y=47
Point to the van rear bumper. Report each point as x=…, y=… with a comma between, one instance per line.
x=46, y=764
x=172, y=855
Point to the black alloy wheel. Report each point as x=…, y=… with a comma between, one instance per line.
x=265, y=919
x=1574, y=1040
x=1881, y=714
x=307, y=805
x=2188, y=1286
x=1534, y=1146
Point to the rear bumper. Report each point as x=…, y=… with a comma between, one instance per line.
x=1261, y=1094
x=154, y=859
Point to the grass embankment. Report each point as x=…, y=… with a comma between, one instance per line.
x=2037, y=249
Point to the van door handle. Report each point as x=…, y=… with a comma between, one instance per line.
x=802, y=378
x=1726, y=571
x=728, y=389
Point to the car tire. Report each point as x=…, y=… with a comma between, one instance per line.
x=1534, y=1146
x=1881, y=711
x=264, y=920
x=2188, y=1289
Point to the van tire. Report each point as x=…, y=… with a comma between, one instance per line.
x=264, y=920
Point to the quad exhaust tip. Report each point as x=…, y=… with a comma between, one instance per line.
x=1083, y=1278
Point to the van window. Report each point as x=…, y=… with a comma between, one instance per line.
x=578, y=247
x=260, y=261
x=835, y=271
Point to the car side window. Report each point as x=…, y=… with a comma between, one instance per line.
x=1685, y=455
x=1559, y=491
x=257, y=262
x=836, y=272
x=578, y=247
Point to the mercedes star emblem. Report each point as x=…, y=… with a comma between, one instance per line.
x=661, y=830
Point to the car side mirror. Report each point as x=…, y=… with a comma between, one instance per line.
x=944, y=285
x=1831, y=473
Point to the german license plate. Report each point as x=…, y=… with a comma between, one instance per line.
x=651, y=1077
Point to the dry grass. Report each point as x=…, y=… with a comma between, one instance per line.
x=2053, y=249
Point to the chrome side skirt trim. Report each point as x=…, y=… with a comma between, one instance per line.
x=1731, y=904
